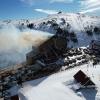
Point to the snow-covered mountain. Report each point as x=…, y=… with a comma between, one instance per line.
x=80, y=29
x=77, y=22
x=85, y=27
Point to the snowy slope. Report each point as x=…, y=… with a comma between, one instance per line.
x=78, y=23
x=73, y=22
x=60, y=86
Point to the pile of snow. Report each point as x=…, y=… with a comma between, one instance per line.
x=60, y=86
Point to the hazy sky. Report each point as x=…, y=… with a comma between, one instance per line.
x=21, y=9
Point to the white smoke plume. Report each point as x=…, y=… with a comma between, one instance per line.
x=14, y=44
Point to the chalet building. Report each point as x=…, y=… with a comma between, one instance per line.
x=52, y=49
x=49, y=51
x=83, y=79
x=31, y=57
x=55, y=42
x=95, y=46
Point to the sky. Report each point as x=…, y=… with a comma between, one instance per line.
x=25, y=9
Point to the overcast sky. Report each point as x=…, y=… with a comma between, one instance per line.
x=21, y=9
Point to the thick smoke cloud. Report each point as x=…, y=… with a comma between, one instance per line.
x=14, y=44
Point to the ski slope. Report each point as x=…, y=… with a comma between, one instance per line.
x=61, y=86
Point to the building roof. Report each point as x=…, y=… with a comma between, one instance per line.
x=83, y=79
x=58, y=42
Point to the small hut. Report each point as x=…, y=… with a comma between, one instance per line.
x=83, y=79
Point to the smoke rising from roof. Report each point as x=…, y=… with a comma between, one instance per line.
x=14, y=44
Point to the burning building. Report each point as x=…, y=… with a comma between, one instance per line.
x=31, y=57
x=49, y=51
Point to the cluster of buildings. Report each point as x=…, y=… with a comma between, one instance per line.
x=50, y=53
